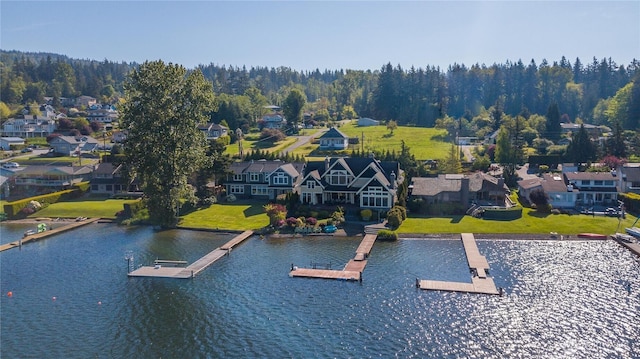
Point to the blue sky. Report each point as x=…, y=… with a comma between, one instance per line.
x=306, y=35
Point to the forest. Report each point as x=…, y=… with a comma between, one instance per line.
x=599, y=92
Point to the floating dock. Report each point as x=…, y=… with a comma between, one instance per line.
x=480, y=282
x=158, y=271
x=352, y=271
x=60, y=228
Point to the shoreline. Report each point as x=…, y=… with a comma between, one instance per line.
x=343, y=233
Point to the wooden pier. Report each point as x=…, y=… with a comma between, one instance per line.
x=60, y=227
x=480, y=282
x=352, y=270
x=194, y=268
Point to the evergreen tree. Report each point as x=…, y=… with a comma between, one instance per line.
x=581, y=149
x=553, y=129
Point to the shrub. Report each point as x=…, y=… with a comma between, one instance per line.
x=292, y=221
x=387, y=235
x=231, y=198
x=312, y=221
x=394, y=219
x=366, y=214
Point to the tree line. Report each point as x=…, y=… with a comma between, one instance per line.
x=598, y=92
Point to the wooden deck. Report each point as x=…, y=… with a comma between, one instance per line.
x=325, y=274
x=59, y=227
x=365, y=246
x=352, y=270
x=480, y=282
x=194, y=268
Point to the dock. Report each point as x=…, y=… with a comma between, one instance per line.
x=352, y=270
x=195, y=268
x=60, y=228
x=478, y=265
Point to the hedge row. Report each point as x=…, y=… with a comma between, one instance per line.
x=631, y=201
x=13, y=209
x=504, y=214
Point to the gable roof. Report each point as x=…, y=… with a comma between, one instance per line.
x=333, y=133
x=431, y=186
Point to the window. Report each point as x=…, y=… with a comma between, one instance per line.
x=109, y=187
x=280, y=178
x=586, y=182
x=597, y=183
x=608, y=183
x=306, y=197
x=237, y=177
x=259, y=190
x=338, y=178
x=236, y=189
x=254, y=177
x=375, y=197
x=311, y=184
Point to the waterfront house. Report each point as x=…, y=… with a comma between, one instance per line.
x=526, y=186
x=108, y=179
x=593, y=188
x=263, y=179
x=273, y=120
x=44, y=179
x=479, y=188
x=361, y=182
x=333, y=140
x=628, y=178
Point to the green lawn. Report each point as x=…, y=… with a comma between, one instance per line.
x=232, y=216
x=531, y=222
x=252, y=145
x=55, y=161
x=103, y=208
x=424, y=143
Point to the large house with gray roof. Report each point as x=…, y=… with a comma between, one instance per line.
x=577, y=190
x=363, y=182
x=262, y=179
x=478, y=188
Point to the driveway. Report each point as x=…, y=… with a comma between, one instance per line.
x=302, y=140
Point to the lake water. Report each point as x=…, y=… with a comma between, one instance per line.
x=570, y=299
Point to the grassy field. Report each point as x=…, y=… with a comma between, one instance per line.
x=424, y=143
x=232, y=216
x=531, y=222
x=103, y=208
x=252, y=145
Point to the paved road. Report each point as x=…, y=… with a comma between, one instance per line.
x=302, y=140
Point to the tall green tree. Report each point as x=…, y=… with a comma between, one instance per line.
x=292, y=108
x=615, y=144
x=164, y=105
x=581, y=149
x=553, y=129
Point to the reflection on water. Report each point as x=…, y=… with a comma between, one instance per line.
x=563, y=299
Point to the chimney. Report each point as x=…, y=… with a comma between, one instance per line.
x=393, y=179
x=326, y=163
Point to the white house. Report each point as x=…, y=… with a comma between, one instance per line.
x=334, y=140
x=29, y=126
x=213, y=131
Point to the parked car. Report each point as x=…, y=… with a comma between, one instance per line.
x=613, y=212
x=25, y=150
x=10, y=165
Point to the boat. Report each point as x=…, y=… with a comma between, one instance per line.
x=633, y=230
x=592, y=236
x=624, y=237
